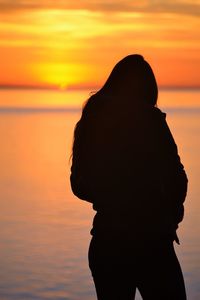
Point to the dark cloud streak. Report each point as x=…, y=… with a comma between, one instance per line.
x=106, y=6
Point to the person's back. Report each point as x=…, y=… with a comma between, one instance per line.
x=125, y=162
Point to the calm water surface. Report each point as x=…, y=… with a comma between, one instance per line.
x=45, y=229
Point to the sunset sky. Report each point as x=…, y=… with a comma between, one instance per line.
x=76, y=43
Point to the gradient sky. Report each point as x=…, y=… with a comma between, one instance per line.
x=76, y=43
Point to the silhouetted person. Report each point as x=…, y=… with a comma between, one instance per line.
x=125, y=162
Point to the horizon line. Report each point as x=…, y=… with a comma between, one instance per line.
x=89, y=87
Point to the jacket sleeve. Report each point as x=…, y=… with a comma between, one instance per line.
x=172, y=172
x=79, y=177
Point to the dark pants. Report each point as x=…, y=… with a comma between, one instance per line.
x=120, y=265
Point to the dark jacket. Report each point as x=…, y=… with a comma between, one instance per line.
x=127, y=165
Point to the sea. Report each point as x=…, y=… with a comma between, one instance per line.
x=44, y=228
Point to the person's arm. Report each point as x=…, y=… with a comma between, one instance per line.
x=173, y=173
x=78, y=177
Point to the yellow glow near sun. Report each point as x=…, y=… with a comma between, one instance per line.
x=61, y=75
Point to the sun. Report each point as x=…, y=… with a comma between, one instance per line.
x=63, y=86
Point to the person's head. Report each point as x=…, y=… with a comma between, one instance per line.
x=132, y=78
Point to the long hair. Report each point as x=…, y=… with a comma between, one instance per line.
x=132, y=82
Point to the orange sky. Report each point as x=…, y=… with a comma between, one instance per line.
x=76, y=43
